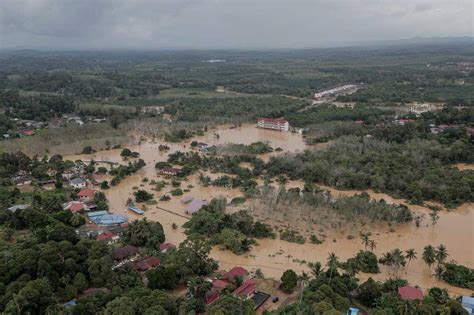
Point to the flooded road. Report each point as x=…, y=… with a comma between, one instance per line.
x=454, y=229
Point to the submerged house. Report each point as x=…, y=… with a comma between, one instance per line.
x=194, y=206
x=410, y=293
x=273, y=124
x=169, y=171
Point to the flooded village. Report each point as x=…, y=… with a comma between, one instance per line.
x=274, y=256
x=327, y=182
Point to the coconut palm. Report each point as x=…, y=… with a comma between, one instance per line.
x=316, y=268
x=410, y=254
x=398, y=260
x=332, y=263
x=365, y=238
x=441, y=254
x=304, y=278
x=439, y=270
x=372, y=245
x=429, y=255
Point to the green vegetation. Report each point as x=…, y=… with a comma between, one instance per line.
x=412, y=170
x=142, y=196
x=233, y=231
x=289, y=281
x=233, y=149
x=329, y=292
x=144, y=233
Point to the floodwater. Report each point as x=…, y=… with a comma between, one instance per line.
x=454, y=228
x=464, y=166
x=249, y=133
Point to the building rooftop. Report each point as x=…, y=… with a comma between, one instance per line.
x=124, y=252
x=105, y=236
x=236, y=272
x=248, y=287
x=18, y=207
x=274, y=120
x=86, y=192
x=410, y=293
x=147, y=263
x=195, y=205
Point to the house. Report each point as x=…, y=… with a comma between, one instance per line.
x=86, y=194
x=136, y=210
x=410, y=293
x=69, y=173
x=220, y=284
x=202, y=146
x=106, y=219
x=107, y=237
x=124, y=252
x=187, y=199
x=93, y=291
x=18, y=207
x=22, y=178
x=78, y=182
x=70, y=304
x=75, y=206
x=352, y=311
x=27, y=133
x=273, y=124
x=236, y=272
x=170, y=171
x=147, y=263
x=213, y=294
x=246, y=290
x=165, y=247
x=468, y=304
x=334, y=91
x=194, y=206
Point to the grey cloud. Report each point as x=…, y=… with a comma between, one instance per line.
x=225, y=23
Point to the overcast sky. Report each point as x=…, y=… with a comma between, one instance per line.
x=155, y=24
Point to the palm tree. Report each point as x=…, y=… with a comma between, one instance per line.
x=439, y=270
x=398, y=260
x=316, y=268
x=365, y=237
x=332, y=263
x=304, y=280
x=429, y=255
x=372, y=245
x=410, y=254
x=441, y=254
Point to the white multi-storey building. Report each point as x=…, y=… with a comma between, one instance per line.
x=274, y=124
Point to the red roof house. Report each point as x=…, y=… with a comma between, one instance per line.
x=236, y=272
x=147, y=263
x=165, y=246
x=105, y=236
x=75, y=206
x=410, y=293
x=86, y=193
x=211, y=295
x=124, y=252
x=220, y=284
x=246, y=290
x=27, y=132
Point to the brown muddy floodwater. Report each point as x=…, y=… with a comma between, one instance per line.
x=455, y=229
x=464, y=166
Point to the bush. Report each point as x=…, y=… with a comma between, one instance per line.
x=289, y=280
x=142, y=196
x=177, y=192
